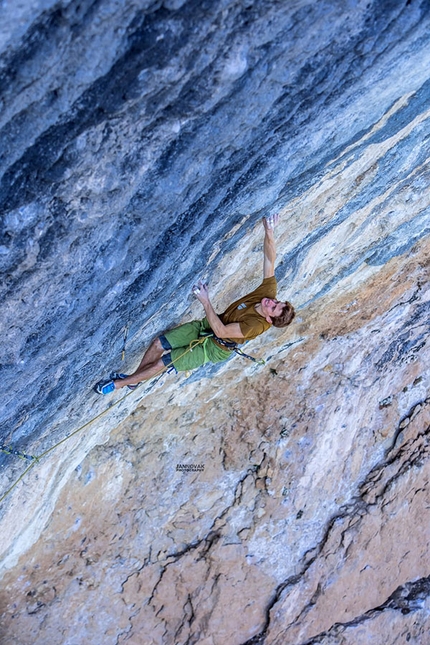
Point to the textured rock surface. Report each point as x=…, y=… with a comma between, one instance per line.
x=141, y=143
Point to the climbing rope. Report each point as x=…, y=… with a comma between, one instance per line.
x=36, y=458
x=17, y=481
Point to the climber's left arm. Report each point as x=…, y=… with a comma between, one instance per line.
x=232, y=330
x=269, y=247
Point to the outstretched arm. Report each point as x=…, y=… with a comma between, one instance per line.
x=232, y=330
x=269, y=245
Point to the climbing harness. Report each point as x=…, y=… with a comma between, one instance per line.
x=232, y=346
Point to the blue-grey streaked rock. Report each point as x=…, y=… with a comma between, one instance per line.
x=141, y=142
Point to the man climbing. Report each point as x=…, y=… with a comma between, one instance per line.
x=213, y=338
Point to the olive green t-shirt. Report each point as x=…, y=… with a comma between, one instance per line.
x=243, y=311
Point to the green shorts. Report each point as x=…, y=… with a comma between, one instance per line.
x=177, y=342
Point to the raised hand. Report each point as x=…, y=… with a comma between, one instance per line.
x=200, y=290
x=270, y=222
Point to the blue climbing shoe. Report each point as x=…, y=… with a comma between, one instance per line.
x=105, y=387
x=116, y=376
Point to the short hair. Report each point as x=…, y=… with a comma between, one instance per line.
x=286, y=316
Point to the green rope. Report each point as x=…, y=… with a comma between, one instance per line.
x=17, y=481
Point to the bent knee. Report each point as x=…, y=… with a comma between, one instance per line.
x=156, y=343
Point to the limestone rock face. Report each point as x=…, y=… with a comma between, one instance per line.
x=277, y=504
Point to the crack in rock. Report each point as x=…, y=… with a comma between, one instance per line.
x=354, y=511
x=406, y=598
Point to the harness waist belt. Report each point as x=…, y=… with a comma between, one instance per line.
x=221, y=342
x=230, y=346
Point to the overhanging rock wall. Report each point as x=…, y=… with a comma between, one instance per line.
x=141, y=144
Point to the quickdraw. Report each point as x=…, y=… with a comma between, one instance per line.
x=9, y=450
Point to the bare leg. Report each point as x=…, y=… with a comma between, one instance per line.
x=141, y=374
x=152, y=354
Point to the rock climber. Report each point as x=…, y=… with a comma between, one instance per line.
x=213, y=338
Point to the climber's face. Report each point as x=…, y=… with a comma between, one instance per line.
x=271, y=307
